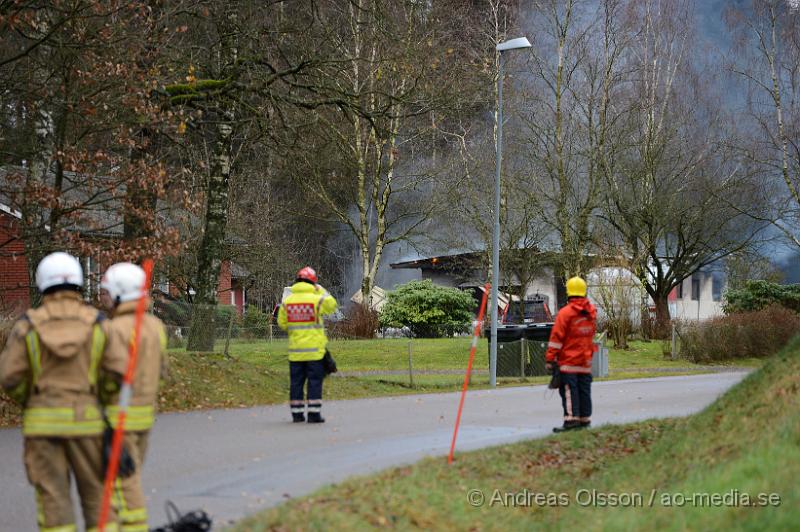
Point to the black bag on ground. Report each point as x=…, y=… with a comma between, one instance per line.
x=196, y=521
x=555, y=378
x=329, y=363
x=127, y=466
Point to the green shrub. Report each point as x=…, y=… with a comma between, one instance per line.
x=255, y=322
x=756, y=295
x=430, y=311
x=756, y=334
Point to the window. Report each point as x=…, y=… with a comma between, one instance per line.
x=695, y=288
x=716, y=286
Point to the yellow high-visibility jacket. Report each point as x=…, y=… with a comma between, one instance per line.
x=51, y=365
x=300, y=315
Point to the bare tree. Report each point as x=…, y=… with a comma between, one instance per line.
x=237, y=85
x=766, y=59
x=571, y=111
x=367, y=165
x=75, y=91
x=674, y=199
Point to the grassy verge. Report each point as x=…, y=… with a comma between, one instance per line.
x=647, y=355
x=257, y=372
x=677, y=474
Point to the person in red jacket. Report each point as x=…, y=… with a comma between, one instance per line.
x=570, y=350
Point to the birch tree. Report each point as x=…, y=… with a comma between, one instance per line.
x=765, y=59
x=363, y=164
x=676, y=202
x=570, y=113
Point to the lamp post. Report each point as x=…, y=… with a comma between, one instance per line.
x=513, y=44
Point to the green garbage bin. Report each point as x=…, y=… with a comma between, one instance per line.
x=509, y=350
x=521, y=349
x=536, y=337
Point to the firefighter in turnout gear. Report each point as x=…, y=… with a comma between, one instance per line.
x=300, y=314
x=122, y=284
x=53, y=364
x=570, y=352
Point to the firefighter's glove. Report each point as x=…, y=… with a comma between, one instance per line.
x=127, y=466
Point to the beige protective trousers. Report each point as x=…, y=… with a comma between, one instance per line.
x=48, y=463
x=128, y=497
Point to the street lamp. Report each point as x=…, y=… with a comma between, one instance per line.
x=513, y=44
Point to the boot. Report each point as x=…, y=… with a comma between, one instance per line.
x=298, y=417
x=585, y=424
x=315, y=417
x=568, y=425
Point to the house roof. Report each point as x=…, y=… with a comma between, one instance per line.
x=442, y=262
x=475, y=260
x=379, y=297
x=238, y=271
x=96, y=201
x=11, y=212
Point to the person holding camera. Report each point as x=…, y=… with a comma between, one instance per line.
x=301, y=316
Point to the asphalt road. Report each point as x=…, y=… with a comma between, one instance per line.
x=235, y=462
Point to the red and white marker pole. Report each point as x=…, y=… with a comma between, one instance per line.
x=475, y=336
x=125, y=397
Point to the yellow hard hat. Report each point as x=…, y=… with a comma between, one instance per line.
x=576, y=287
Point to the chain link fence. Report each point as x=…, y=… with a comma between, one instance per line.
x=522, y=356
x=397, y=357
x=521, y=351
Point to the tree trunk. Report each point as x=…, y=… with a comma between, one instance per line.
x=203, y=327
x=35, y=234
x=141, y=201
x=366, y=282
x=662, y=325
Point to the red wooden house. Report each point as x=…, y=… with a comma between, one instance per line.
x=14, y=283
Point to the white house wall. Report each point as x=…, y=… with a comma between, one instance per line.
x=623, y=279
x=685, y=308
x=544, y=286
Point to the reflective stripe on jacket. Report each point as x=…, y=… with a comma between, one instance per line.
x=571, y=342
x=300, y=315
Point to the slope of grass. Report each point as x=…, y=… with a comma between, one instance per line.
x=199, y=381
x=676, y=474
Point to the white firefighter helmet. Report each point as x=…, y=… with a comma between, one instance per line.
x=59, y=269
x=123, y=281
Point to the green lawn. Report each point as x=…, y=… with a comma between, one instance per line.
x=647, y=355
x=257, y=372
x=365, y=355
x=677, y=474
x=440, y=353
